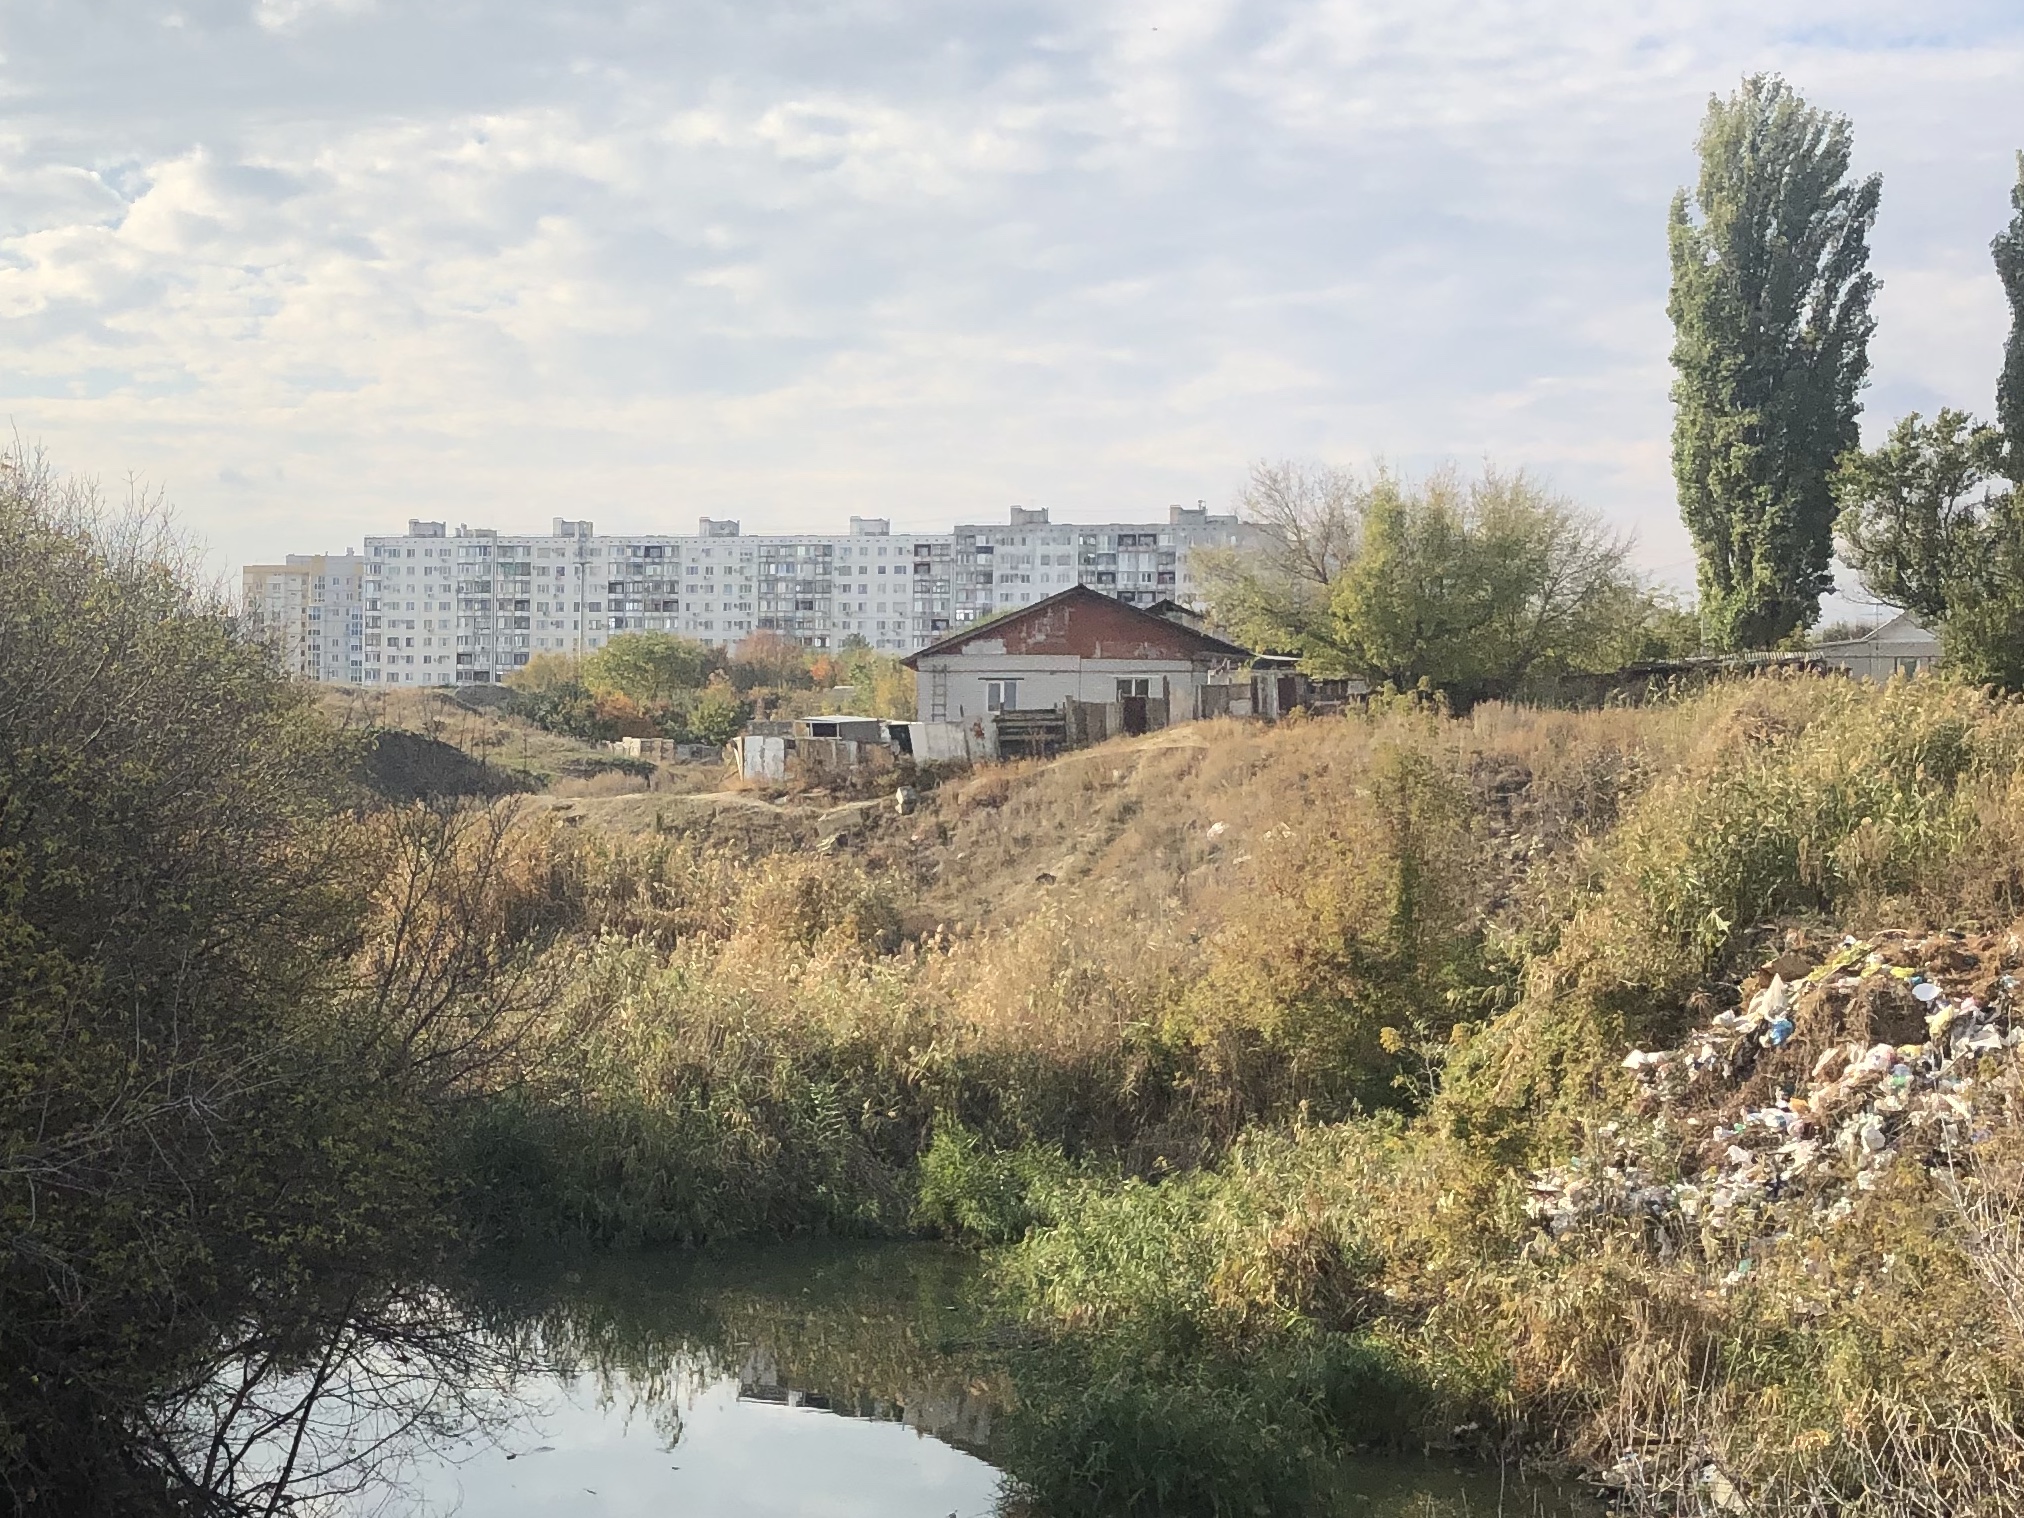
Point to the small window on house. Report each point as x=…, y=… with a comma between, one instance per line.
x=1134, y=688
x=1001, y=695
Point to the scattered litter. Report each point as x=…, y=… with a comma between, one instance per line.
x=1820, y=1128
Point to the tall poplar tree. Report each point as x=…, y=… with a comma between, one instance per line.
x=1770, y=304
x=2009, y=251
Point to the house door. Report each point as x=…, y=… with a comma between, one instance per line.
x=1289, y=695
x=1133, y=697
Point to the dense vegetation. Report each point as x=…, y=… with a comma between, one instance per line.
x=653, y=684
x=1771, y=308
x=1771, y=295
x=1484, y=589
x=1238, y=1050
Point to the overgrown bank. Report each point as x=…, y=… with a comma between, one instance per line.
x=1281, y=1071
x=1260, y=1097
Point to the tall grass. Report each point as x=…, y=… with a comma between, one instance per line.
x=1865, y=1364
x=1236, y=1046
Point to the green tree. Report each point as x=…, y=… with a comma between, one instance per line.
x=1925, y=527
x=2009, y=251
x=1771, y=295
x=565, y=706
x=881, y=686
x=194, y=1148
x=1916, y=512
x=649, y=667
x=718, y=712
x=1474, y=588
x=1984, y=630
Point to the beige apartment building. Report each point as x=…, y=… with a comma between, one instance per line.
x=310, y=609
x=469, y=605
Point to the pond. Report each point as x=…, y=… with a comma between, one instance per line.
x=780, y=1382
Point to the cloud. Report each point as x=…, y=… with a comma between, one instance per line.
x=341, y=264
x=282, y=15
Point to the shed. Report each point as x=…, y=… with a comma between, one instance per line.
x=1076, y=648
x=1899, y=647
x=856, y=729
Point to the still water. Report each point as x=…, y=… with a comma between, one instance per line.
x=785, y=1382
x=753, y=1384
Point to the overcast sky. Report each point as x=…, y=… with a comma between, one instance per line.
x=317, y=266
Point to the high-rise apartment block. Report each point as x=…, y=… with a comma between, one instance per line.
x=471, y=606
x=311, y=608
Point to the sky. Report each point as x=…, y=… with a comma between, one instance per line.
x=313, y=267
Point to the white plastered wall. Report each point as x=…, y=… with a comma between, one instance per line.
x=1047, y=680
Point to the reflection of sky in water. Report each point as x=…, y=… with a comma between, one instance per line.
x=737, y=1459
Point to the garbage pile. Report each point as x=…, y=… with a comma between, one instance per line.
x=1832, y=1068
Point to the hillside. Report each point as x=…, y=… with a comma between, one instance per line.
x=1386, y=1078
x=507, y=754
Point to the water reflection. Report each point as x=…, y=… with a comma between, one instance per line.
x=341, y=1407
x=786, y=1380
x=832, y=1381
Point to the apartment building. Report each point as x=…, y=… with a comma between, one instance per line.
x=310, y=608
x=470, y=606
x=1139, y=563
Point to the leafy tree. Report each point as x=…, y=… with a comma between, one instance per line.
x=545, y=672
x=1471, y=589
x=648, y=667
x=1770, y=303
x=718, y=712
x=1915, y=512
x=1924, y=526
x=2009, y=251
x=195, y=1144
x=1984, y=630
x=566, y=706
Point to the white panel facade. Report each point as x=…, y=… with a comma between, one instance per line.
x=979, y=681
x=471, y=605
x=310, y=610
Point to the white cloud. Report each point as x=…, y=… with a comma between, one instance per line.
x=331, y=265
x=282, y=15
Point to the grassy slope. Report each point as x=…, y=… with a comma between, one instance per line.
x=491, y=736
x=1150, y=1066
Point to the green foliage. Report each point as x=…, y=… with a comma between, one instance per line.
x=648, y=667
x=717, y=713
x=880, y=685
x=1468, y=589
x=1984, y=630
x=1770, y=304
x=195, y=1148
x=1472, y=592
x=980, y=1195
x=2009, y=252
x=1124, y=1423
x=1923, y=527
x=1210, y=1354
x=1912, y=524
x=566, y=706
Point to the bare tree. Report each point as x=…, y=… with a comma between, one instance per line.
x=1306, y=526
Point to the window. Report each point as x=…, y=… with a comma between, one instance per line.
x=1134, y=688
x=1003, y=695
